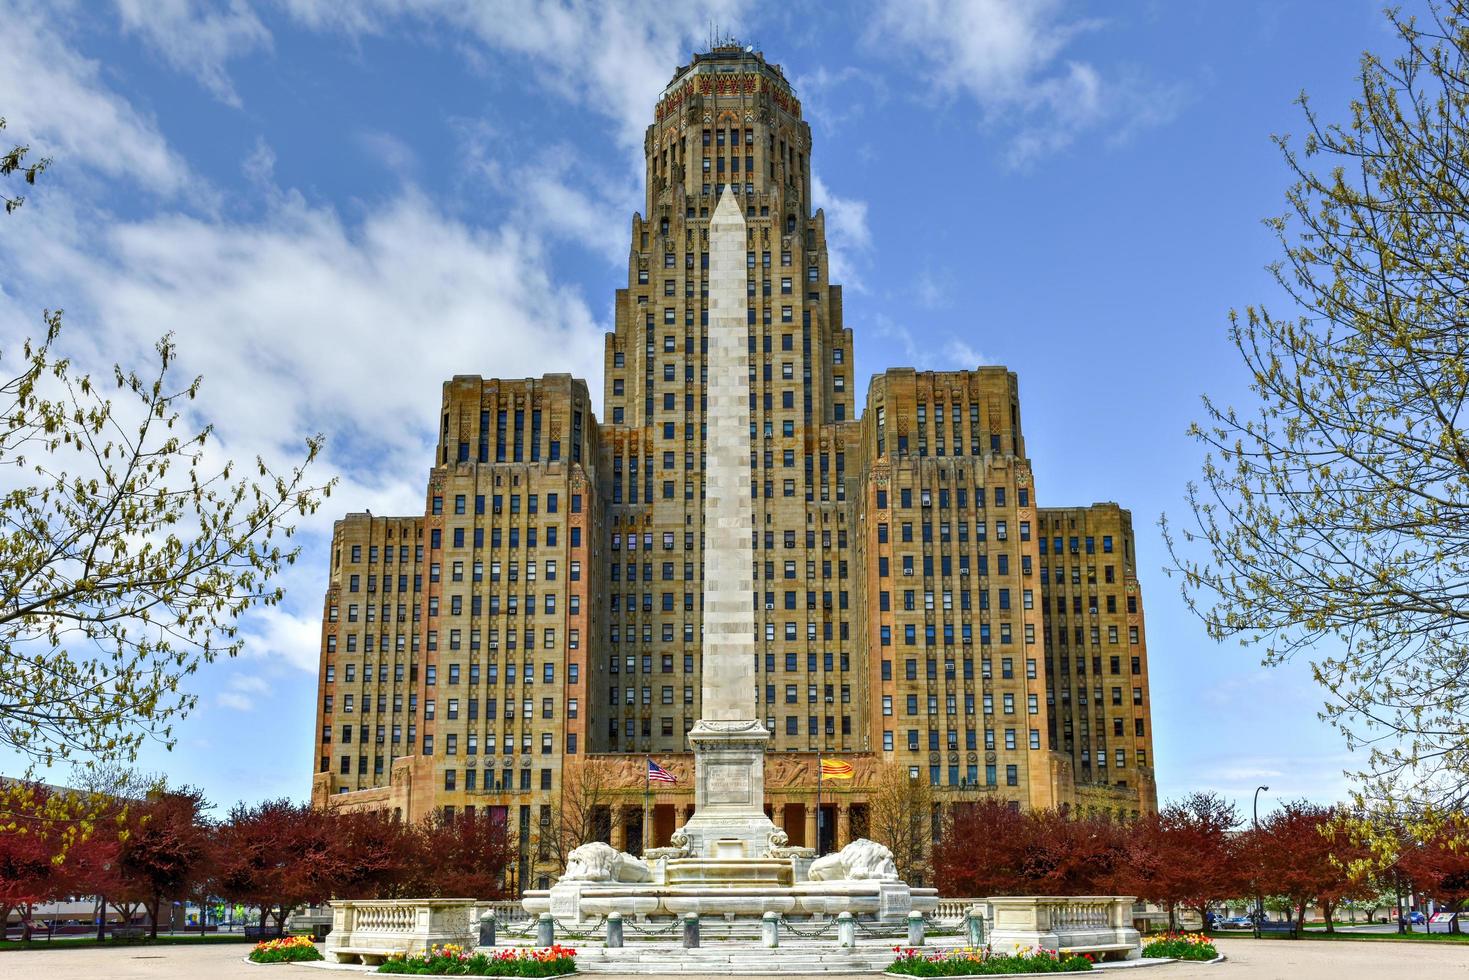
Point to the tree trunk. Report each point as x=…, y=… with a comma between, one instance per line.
x=1171, y=921
x=1326, y=910
x=1301, y=920
x=153, y=915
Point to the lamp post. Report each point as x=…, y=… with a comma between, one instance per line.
x=1259, y=899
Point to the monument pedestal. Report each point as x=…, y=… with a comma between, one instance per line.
x=729, y=821
x=730, y=859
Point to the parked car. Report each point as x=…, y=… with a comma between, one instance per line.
x=1415, y=918
x=1237, y=922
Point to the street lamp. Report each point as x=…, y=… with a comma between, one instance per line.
x=1259, y=899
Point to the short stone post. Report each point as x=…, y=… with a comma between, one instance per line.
x=546, y=931
x=614, y=930
x=691, y=931
x=487, y=928
x=846, y=930
x=770, y=929
x=974, y=925
x=915, y=928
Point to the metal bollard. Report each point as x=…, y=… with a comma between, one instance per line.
x=691, y=931
x=974, y=923
x=770, y=929
x=487, y=929
x=846, y=930
x=546, y=931
x=915, y=928
x=614, y=930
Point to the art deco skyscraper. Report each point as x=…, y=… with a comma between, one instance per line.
x=914, y=604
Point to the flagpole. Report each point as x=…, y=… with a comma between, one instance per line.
x=818, y=805
x=647, y=795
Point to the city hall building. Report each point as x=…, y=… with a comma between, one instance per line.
x=918, y=602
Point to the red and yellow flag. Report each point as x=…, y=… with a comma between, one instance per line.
x=836, y=769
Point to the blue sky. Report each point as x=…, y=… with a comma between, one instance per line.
x=338, y=204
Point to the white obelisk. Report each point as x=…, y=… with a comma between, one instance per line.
x=728, y=741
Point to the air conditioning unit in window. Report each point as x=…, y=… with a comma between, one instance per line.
x=908, y=572
x=964, y=572
x=770, y=605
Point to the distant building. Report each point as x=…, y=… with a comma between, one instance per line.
x=917, y=605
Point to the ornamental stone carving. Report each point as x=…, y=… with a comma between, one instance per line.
x=860, y=860
x=602, y=862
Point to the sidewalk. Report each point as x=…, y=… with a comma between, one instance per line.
x=1249, y=959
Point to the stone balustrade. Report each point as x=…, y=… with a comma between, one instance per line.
x=370, y=931
x=951, y=910
x=1100, y=924
x=506, y=912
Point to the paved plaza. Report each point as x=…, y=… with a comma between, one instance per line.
x=1249, y=959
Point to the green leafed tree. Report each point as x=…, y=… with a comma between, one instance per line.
x=128, y=553
x=13, y=162
x=1332, y=516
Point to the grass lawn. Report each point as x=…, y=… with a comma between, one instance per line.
x=180, y=940
x=1320, y=933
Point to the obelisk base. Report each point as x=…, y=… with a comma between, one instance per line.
x=729, y=818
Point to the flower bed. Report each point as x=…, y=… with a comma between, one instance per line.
x=451, y=960
x=1182, y=946
x=292, y=949
x=968, y=961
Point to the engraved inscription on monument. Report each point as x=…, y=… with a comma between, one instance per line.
x=728, y=784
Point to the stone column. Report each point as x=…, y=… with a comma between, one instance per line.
x=728, y=740
x=778, y=814
x=844, y=824
x=811, y=840
x=729, y=604
x=619, y=828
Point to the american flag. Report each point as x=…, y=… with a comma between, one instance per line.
x=658, y=774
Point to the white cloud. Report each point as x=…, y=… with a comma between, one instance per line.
x=933, y=290
x=938, y=352
x=197, y=38
x=57, y=102
x=242, y=691
x=311, y=315
x=1008, y=57
x=561, y=199
x=286, y=638
x=612, y=58
x=390, y=152
x=847, y=234
x=961, y=353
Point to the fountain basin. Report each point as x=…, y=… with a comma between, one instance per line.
x=768, y=872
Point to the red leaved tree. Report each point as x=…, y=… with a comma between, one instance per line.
x=990, y=848
x=379, y=856
x=275, y=857
x=1438, y=862
x=1073, y=855
x=27, y=873
x=981, y=851
x=1185, y=856
x=466, y=856
x=47, y=852
x=1291, y=855
x=165, y=852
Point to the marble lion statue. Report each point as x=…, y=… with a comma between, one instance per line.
x=601, y=862
x=861, y=859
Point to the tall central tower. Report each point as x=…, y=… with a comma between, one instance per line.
x=728, y=124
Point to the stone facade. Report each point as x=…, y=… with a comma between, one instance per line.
x=548, y=605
